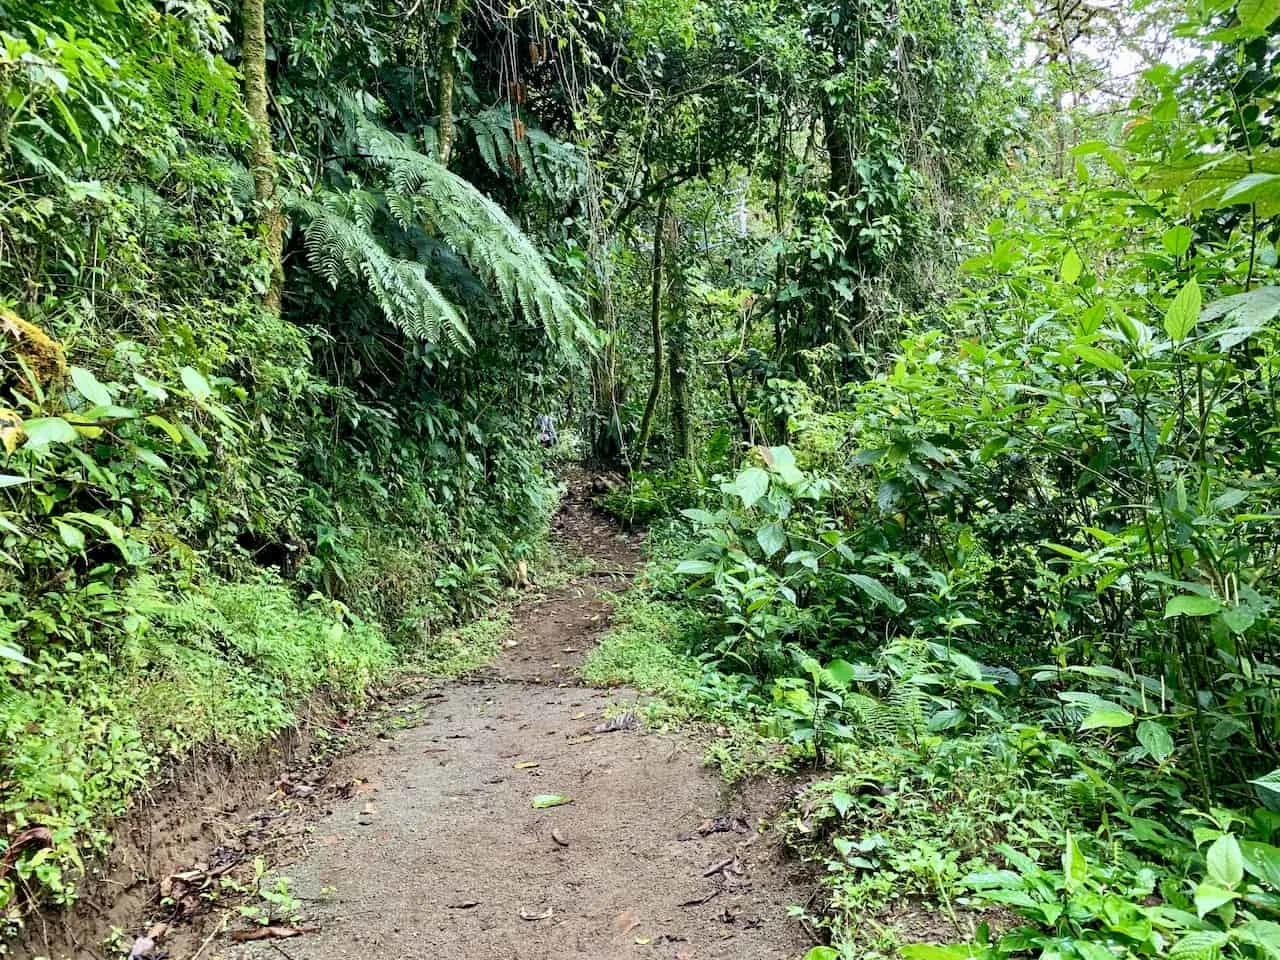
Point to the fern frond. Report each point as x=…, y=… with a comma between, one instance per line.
x=340, y=248
x=482, y=233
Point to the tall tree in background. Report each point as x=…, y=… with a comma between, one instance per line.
x=253, y=66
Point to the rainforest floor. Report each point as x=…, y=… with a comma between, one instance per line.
x=426, y=840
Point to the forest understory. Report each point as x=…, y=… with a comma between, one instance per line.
x=932, y=345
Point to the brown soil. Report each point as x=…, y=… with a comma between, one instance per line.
x=425, y=843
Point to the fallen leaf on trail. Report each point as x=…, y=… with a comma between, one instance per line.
x=544, y=800
x=369, y=809
x=526, y=765
x=464, y=905
x=569, y=650
x=270, y=933
x=644, y=941
x=578, y=716
x=623, y=721
x=158, y=931
x=530, y=915
x=558, y=837
x=625, y=922
x=587, y=738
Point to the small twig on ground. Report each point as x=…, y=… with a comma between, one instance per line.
x=209, y=939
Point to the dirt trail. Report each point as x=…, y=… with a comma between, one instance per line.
x=441, y=855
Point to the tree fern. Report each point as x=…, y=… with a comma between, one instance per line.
x=422, y=194
x=340, y=247
x=508, y=147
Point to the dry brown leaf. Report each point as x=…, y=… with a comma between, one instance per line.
x=625, y=922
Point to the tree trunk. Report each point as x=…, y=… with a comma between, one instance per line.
x=678, y=344
x=448, y=48
x=254, y=68
x=655, y=323
x=606, y=438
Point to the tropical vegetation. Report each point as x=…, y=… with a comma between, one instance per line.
x=936, y=344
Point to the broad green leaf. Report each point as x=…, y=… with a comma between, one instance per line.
x=1239, y=618
x=1075, y=867
x=877, y=591
x=1268, y=790
x=1184, y=312
x=702, y=517
x=1257, y=15
x=113, y=532
x=71, y=536
x=771, y=538
x=783, y=463
x=195, y=383
x=173, y=432
x=1225, y=862
x=12, y=480
x=751, y=484
x=12, y=653
x=1191, y=605
x=43, y=431
x=544, y=800
x=89, y=387
x=1262, y=862
x=927, y=951
x=1071, y=267
x=1106, y=717
x=1263, y=934
x=1251, y=188
x=1210, y=897
x=1176, y=240
x=1098, y=357
x=1156, y=739
x=1247, y=313
x=843, y=802
x=822, y=953
x=695, y=568
x=841, y=671
x=1199, y=945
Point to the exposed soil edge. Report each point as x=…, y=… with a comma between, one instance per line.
x=183, y=819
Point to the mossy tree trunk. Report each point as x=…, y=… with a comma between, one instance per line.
x=449, y=33
x=253, y=66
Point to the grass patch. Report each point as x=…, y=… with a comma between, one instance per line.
x=643, y=649
x=647, y=648
x=461, y=650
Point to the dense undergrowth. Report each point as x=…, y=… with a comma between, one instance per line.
x=1013, y=588
x=228, y=489
x=938, y=346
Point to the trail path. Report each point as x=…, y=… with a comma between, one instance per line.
x=441, y=855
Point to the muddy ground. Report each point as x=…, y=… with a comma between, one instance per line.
x=426, y=843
